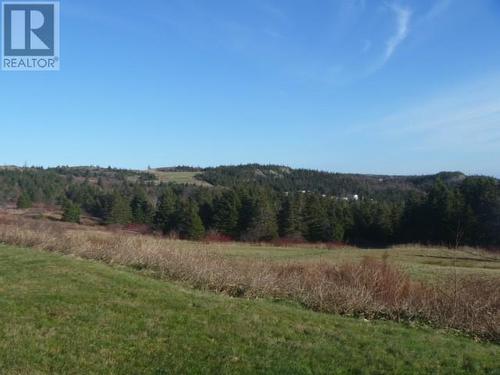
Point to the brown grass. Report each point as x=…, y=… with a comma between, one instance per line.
x=371, y=288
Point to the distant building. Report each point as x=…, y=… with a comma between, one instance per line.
x=354, y=197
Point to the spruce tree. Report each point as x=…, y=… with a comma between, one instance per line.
x=165, y=217
x=142, y=211
x=189, y=223
x=338, y=222
x=246, y=212
x=289, y=219
x=449, y=219
x=382, y=227
x=441, y=210
x=24, y=201
x=120, y=211
x=225, y=213
x=263, y=223
x=71, y=212
x=482, y=199
x=412, y=227
x=316, y=223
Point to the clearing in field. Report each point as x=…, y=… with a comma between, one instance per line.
x=178, y=177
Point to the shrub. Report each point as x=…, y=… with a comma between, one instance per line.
x=371, y=288
x=24, y=201
x=71, y=212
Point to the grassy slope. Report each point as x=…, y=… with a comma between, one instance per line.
x=63, y=315
x=179, y=177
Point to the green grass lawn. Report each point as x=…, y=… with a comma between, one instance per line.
x=61, y=315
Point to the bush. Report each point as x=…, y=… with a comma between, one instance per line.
x=24, y=201
x=71, y=212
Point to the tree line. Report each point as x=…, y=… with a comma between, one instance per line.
x=467, y=213
x=451, y=216
x=284, y=179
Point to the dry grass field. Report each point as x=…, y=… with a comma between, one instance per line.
x=422, y=262
x=439, y=287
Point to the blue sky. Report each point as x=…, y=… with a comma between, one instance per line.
x=368, y=86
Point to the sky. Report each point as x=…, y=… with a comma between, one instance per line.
x=365, y=86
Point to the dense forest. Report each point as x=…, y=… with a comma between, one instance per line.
x=284, y=179
x=265, y=203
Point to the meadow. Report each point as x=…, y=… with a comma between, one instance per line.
x=146, y=304
x=421, y=262
x=65, y=315
x=355, y=282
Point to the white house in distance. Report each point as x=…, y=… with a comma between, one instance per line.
x=354, y=197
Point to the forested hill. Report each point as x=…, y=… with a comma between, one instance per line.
x=285, y=179
x=264, y=203
x=280, y=179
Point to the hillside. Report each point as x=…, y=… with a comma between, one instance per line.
x=278, y=178
x=255, y=203
x=285, y=179
x=60, y=314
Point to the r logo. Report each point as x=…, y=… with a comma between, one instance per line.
x=30, y=29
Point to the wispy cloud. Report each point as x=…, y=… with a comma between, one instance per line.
x=403, y=18
x=456, y=129
x=465, y=118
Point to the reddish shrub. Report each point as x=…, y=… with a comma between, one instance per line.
x=216, y=237
x=139, y=229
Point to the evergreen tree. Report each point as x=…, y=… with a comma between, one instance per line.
x=71, y=212
x=440, y=211
x=289, y=219
x=120, y=210
x=24, y=201
x=413, y=228
x=103, y=206
x=263, y=224
x=446, y=219
x=363, y=219
x=225, y=213
x=338, y=222
x=246, y=211
x=142, y=211
x=482, y=200
x=207, y=213
x=165, y=217
x=189, y=224
x=316, y=223
x=382, y=227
